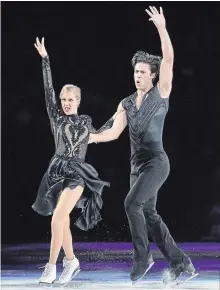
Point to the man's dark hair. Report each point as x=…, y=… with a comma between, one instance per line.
x=153, y=61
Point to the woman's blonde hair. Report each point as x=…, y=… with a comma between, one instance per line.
x=71, y=88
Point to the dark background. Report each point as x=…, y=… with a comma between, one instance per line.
x=91, y=44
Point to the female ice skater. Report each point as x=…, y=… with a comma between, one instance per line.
x=144, y=112
x=62, y=185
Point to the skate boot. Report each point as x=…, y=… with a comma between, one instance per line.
x=49, y=275
x=71, y=269
x=141, y=268
x=175, y=271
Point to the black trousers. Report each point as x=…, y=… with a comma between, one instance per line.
x=140, y=207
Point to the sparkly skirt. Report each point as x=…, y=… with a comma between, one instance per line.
x=69, y=172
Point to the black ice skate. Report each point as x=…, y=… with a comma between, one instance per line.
x=171, y=276
x=141, y=268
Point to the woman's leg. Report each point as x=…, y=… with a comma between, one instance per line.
x=67, y=240
x=67, y=201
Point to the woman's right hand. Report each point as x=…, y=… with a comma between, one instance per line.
x=40, y=47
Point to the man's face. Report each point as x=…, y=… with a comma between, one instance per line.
x=142, y=76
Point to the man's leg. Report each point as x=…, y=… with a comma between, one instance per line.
x=143, y=189
x=160, y=233
x=136, y=219
x=177, y=259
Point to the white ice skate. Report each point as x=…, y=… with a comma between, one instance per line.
x=49, y=275
x=71, y=269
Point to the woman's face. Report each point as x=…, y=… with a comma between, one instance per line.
x=69, y=102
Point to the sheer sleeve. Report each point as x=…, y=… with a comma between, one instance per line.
x=51, y=102
x=106, y=126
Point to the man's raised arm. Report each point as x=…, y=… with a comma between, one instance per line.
x=166, y=68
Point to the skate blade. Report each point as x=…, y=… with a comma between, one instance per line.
x=46, y=285
x=74, y=275
x=149, y=267
x=180, y=282
x=188, y=279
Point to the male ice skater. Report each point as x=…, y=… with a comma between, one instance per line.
x=144, y=112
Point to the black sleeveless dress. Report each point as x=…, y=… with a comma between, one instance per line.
x=68, y=167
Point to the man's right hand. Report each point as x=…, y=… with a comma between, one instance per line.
x=91, y=138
